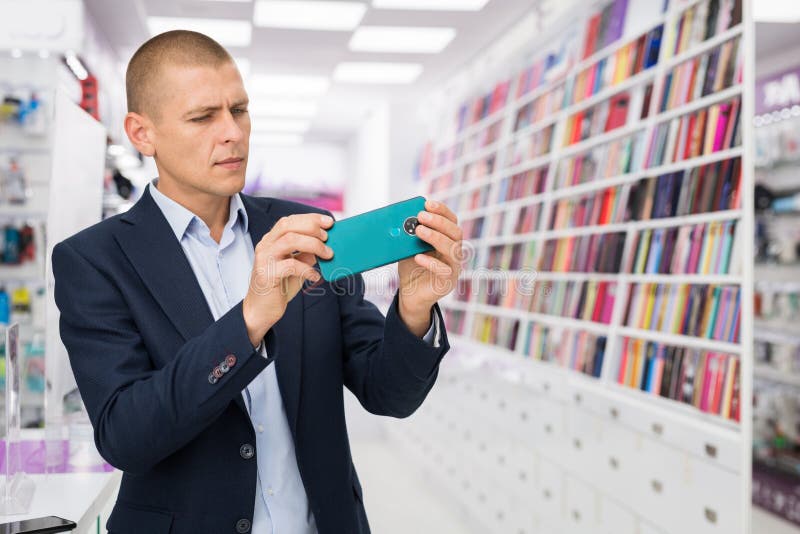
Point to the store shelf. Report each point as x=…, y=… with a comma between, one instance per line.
x=704, y=47
x=666, y=222
x=680, y=340
x=716, y=279
x=595, y=185
x=22, y=273
x=536, y=127
x=767, y=372
x=601, y=139
x=700, y=103
x=531, y=164
x=476, y=127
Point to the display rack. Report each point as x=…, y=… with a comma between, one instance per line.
x=555, y=269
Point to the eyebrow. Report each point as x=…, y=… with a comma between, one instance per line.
x=210, y=109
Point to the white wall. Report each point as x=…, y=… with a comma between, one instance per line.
x=367, y=185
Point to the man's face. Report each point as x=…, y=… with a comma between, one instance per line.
x=201, y=130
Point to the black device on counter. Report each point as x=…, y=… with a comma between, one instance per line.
x=38, y=525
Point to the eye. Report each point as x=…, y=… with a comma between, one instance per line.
x=238, y=111
x=200, y=119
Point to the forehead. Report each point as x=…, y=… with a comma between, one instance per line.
x=185, y=87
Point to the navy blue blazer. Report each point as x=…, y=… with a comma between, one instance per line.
x=142, y=343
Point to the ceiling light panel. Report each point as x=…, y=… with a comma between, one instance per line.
x=431, y=5
x=272, y=107
x=308, y=15
x=395, y=39
x=288, y=85
x=377, y=73
x=225, y=32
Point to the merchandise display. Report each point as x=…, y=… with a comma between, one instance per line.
x=607, y=269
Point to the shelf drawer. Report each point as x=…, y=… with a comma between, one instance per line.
x=550, y=492
x=615, y=519
x=660, y=491
x=581, y=507
x=715, y=497
x=583, y=446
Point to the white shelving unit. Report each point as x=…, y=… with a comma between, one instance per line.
x=689, y=470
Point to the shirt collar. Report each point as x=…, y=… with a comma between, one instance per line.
x=179, y=218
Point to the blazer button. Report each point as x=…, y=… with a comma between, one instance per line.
x=246, y=451
x=217, y=372
x=212, y=379
x=243, y=526
x=224, y=367
x=230, y=359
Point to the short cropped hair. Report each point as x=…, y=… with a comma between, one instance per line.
x=177, y=47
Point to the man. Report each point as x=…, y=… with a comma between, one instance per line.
x=211, y=369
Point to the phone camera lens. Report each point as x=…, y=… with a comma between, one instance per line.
x=410, y=225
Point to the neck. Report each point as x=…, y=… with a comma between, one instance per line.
x=213, y=210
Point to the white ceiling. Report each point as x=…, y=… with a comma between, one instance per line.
x=277, y=51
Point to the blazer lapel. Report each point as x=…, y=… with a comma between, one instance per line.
x=286, y=343
x=150, y=245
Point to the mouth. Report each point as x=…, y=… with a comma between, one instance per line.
x=230, y=163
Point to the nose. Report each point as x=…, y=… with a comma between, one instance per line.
x=231, y=129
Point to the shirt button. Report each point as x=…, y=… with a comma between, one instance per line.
x=270, y=492
x=243, y=526
x=260, y=429
x=246, y=451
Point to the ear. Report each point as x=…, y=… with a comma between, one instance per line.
x=140, y=131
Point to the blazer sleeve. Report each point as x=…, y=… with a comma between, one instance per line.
x=140, y=414
x=388, y=368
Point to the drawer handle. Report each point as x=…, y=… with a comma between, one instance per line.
x=523, y=476
x=484, y=395
x=711, y=515
x=577, y=443
x=547, y=494
x=578, y=398
x=576, y=515
x=614, y=463
x=502, y=405
x=523, y=416
x=711, y=450
x=658, y=487
x=614, y=413
x=482, y=447
x=546, y=386
x=658, y=428
x=500, y=515
x=501, y=460
x=482, y=497
x=548, y=428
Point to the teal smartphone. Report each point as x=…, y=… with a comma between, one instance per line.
x=373, y=239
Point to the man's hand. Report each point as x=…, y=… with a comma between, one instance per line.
x=426, y=278
x=284, y=259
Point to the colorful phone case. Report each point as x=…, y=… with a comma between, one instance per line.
x=373, y=239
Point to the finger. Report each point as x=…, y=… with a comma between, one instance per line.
x=433, y=265
x=291, y=267
x=440, y=242
x=292, y=243
x=440, y=223
x=305, y=257
x=441, y=208
x=311, y=224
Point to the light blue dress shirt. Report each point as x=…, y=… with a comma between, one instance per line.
x=223, y=272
